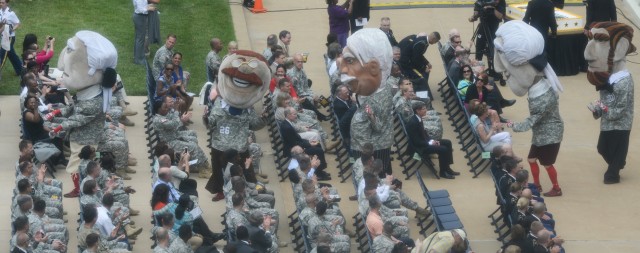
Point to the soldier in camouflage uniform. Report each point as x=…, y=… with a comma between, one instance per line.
x=321, y=223
x=397, y=216
x=162, y=240
x=249, y=202
x=163, y=56
x=236, y=216
x=25, y=189
x=22, y=236
x=165, y=123
x=385, y=241
x=231, y=128
x=90, y=216
x=53, y=228
x=36, y=177
x=213, y=59
x=179, y=245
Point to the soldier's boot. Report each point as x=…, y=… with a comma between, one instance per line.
x=129, y=170
x=131, y=231
x=262, y=175
x=421, y=212
x=125, y=121
x=123, y=174
x=132, y=161
x=131, y=222
x=282, y=244
x=331, y=145
x=127, y=109
x=133, y=212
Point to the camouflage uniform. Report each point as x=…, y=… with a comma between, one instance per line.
x=378, y=131
x=104, y=245
x=166, y=127
x=113, y=142
x=251, y=204
x=41, y=189
x=232, y=132
x=84, y=121
x=161, y=58
x=160, y=249
x=213, y=64
x=256, y=154
x=300, y=82
x=236, y=218
x=395, y=216
x=406, y=200
x=339, y=241
x=382, y=243
x=53, y=228
x=179, y=246
x=544, y=117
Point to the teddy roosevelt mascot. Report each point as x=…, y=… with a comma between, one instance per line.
x=88, y=64
x=243, y=78
x=519, y=56
x=609, y=44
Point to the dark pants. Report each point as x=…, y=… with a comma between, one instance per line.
x=444, y=151
x=141, y=26
x=12, y=56
x=317, y=151
x=201, y=227
x=189, y=186
x=613, y=146
x=219, y=163
x=308, y=104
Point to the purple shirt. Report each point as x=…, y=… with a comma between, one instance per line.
x=338, y=19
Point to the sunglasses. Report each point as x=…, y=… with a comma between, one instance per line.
x=466, y=71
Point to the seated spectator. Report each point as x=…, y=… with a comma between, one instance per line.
x=93, y=240
x=162, y=241
x=375, y=220
x=424, y=145
x=510, y=166
x=182, y=213
x=43, y=56
x=232, y=47
x=292, y=138
x=487, y=93
x=467, y=79
x=166, y=86
x=385, y=242
x=278, y=59
x=342, y=102
x=180, y=172
x=53, y=206
x=539, y=213
x=302, y=85
x=52, y=228
x=272, y=40
x=453, y=241
x=181, y=244
x=262, y=240
x=179, y=75
x=454, y=66
x=236, y=216
x=243, y=243
x=107, y=244
x=331, y=225
x=169, y=125
x=33, y=123
x=284, y=86
x=545, y=244
x=276, y=82
x=518, y=239
x=490, y=137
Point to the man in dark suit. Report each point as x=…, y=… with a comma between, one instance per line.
x=412, y=61
x=22, y=243
x=599, y=11
x=359, y=12
x=541, y=15
x=259, y=229
x=455, y=65
x=385, y=26
x=291, y=138
x=341, y=105
x=424, y=145
x=243, y=244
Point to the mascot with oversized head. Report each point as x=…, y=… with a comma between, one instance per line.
x=520, y=57
x=88, y=64
x=609, y=44
x=243, y=79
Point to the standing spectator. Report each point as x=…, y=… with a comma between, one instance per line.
x=272, y=40
x=213, y=59
x=163, y=56
x=542, y=16
x=285, y=40
x=360, y=12
x=153, y=36
x=141, y=25
x=339, y=19
x=412, y=61
x=10, y=18
x=598, y=11
x=385, y=26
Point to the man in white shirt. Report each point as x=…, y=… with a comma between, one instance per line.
x=10, y=18
x=141, y=10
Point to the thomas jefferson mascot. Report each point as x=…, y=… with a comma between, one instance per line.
x=519, y=56
x=242, y=80
x=609, y=44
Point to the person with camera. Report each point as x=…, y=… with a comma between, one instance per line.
x=490, y=13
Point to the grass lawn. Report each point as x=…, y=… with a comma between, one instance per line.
x=194, y=22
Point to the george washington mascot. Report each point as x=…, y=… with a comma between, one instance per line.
x=519, y=56
x=609, y=44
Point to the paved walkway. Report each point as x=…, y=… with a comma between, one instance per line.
x=592, y=217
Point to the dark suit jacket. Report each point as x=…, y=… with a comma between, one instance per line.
x=260, y=241
x=419, y=138
x=242, y=247
x=541, y=15
x=454, y=72
x=291, y=138
x=392, y=39
x=340, y=107
x=412, y=51
x=600, y=10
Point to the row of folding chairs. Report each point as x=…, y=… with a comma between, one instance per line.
x=277, y=144
x=410, y=163
x=459, y=117
x=500, y=221
x=343, y=157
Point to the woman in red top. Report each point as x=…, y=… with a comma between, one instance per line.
x=281, y=72
x=43, y=56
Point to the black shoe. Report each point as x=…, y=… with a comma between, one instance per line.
x=218, y=236
x=322, y=117
x=323, y=178
x=447, y=175
x=612, y=180
x=452, y=172
x=503, y=120
x=507, y=103
x=503, y=82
